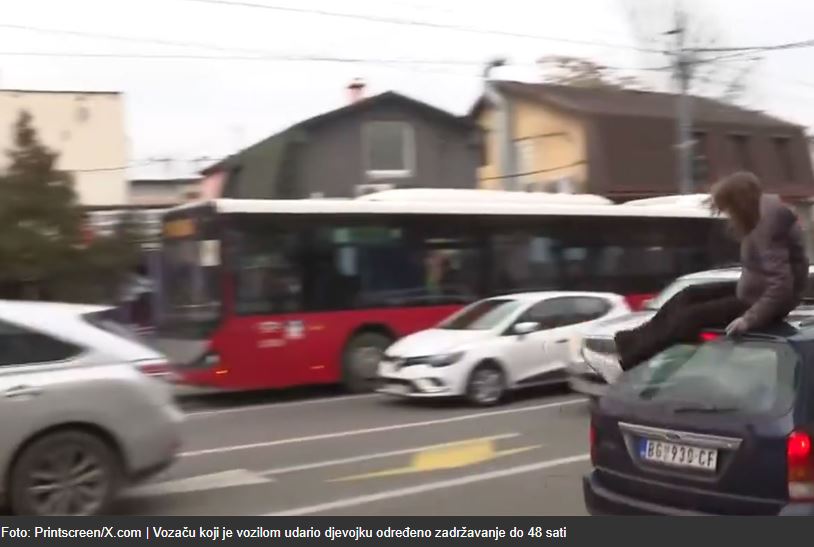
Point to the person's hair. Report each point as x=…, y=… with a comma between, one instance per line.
x=738, y=196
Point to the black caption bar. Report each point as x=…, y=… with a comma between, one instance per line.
x=587, y=531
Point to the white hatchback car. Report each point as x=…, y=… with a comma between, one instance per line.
x=82, y=413
x=495, y=345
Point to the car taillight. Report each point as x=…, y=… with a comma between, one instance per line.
x=709, y=336
x=800, y=467
x=592, y=440
x=156, y=369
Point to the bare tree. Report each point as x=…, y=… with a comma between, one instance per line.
x=721, y=75
x=580, y=72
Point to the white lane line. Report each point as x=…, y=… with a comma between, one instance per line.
x=248, y=408
x=199, y=483
x=428, y=487
x=378, y=455
x=393, y=427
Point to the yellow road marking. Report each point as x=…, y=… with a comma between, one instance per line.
x=452, y=456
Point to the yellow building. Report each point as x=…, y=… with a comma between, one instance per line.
x=86, y=129
x=621, y=143
x=549, y=145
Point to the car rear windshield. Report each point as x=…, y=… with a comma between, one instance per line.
x=106, y=321
x=743, y=377
x=679, y=285
x=483, y=315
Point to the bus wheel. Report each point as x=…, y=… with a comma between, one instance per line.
x=360, y=362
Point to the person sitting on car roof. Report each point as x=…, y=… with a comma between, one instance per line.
x=774, y=273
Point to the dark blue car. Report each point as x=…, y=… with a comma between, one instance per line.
x=720, y=427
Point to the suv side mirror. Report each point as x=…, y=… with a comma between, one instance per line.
x=526, y=327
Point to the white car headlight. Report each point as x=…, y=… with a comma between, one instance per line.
x=445, y=359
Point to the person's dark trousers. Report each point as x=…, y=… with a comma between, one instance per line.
x=680, y=320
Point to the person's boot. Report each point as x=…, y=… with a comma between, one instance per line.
x=625, y=348
x=624, y=344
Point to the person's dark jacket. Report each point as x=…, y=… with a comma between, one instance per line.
x=774, y=265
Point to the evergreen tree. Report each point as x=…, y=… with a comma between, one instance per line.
x=43, y=251
x=39, y=217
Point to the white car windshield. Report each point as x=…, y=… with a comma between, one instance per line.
x=483, y=315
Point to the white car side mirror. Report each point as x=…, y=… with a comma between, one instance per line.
x=526, y=327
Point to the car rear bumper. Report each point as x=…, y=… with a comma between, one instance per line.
x=158, y=444
x=600, y=501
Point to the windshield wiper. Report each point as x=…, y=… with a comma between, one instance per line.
x=705, y=409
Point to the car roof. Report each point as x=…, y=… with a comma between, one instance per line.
x=38, y=313
x=544, y=295
x=725, y=274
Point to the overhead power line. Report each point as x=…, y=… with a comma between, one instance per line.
x=538, y=171
x=133, y=39
x=775, y=47
x=266, y=57
x=418, y=23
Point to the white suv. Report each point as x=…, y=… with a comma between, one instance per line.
x=83, y=413
x=598, y=364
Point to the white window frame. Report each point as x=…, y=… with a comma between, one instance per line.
x=408, y=152
x=524, y=154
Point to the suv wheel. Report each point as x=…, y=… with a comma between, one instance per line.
x=65, y=473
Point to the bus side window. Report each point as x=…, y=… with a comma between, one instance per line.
x=268, y=274
x=523, y=261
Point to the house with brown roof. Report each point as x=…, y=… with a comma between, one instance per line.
x=372, y=143
x=621, y=143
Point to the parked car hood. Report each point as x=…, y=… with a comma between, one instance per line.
x=435, y=342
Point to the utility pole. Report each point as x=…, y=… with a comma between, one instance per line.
x=683, y=76
x=505, y=128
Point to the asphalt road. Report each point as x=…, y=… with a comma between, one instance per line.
x=371, y=455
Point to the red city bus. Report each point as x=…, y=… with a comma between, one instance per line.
x=260, y=294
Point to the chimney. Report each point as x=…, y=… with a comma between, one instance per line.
x=356, y=90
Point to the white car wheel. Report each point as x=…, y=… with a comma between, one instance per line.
x=487, y=385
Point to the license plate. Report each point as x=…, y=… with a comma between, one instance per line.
x=395, y=389
x=678, y=455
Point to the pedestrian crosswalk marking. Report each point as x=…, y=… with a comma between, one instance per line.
x=198, y=483
x=448, y=457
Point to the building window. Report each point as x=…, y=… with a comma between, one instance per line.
x=700, y=159
x=82, y=114
x=743, y=158
x=389, y=150
x=782, y=148
x=524, y=154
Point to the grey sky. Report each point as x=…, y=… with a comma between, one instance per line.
x=186, y=108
